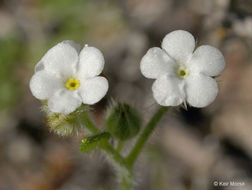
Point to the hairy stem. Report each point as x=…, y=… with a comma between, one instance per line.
x=120, y=146
x=126, y=182
x=125, y=165
x=85, y=118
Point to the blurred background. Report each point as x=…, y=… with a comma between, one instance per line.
x=188, y=151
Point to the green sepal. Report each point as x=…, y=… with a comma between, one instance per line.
x=94, y=141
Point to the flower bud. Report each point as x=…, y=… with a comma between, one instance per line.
x=123, y=121
x=61, y=124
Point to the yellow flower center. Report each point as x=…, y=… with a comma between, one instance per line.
x=72, y=84
x=182, y=72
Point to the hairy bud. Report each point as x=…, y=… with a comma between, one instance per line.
x=123, y=121
x=64, y=125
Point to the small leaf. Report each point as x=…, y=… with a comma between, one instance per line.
x=91, y=142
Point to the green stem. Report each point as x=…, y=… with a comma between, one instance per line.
x=145, y=135
x=116, y=158
x=125, y=166
x=85, y=118
x=126, y=182
x=120, y=146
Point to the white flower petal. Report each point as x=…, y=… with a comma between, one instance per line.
x=44, y=84
x=39, y=66
x=64, y=101
x=155, y=63
x=168, y=90
x=200, y=90
x=179, y=45
x=73, y=44
x=61, y=59
x=93, y=90
x=91, y=62
x=208, y=60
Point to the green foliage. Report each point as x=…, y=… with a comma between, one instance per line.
x=10, y=52
x=94, y=141
x=123, y=121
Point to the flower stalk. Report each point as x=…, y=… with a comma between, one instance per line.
x=145, y=135
x=120, y=146
x=125, y=165
x=126, y=182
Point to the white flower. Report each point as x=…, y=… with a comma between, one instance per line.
x=181, y=73
x=68, y=77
